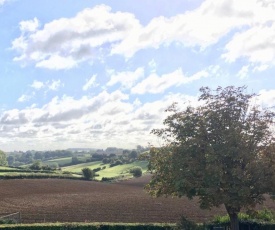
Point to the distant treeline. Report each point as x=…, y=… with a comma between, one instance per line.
x=29, y=157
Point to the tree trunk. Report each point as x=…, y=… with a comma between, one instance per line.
x=233, y=215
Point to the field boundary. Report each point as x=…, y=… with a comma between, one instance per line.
x=91, y=226
x=15, y=217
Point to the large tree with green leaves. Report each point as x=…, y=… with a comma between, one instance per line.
x=222, y=151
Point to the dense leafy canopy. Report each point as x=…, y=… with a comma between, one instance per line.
x=222, y=151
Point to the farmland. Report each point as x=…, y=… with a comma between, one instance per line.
x=116, y=171
x=52, y=200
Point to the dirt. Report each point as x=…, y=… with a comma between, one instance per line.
x=57, y=200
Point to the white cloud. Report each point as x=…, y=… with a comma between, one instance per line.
x=100, y=121
x=54, y=85
x=29, y=26
x=90, y=83
x=37, y=84
x=256, y=44
x=152, y=65
x=260, y=68
x=158, y=84
x=63, y=43
x=127, y=79
x=2, y=2
x=201, y=27
x=48, y=85
x=55, y=62
x=267, y=97
x=24, y=98
x=243, y=72
x=93, y=32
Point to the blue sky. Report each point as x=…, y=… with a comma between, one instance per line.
x=101, y=73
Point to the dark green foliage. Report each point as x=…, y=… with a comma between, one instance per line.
x=3, y=221
x=136, y=171
x=98, y=156
x=222, y=151
x=39, y=176
x=133, y=154
x=3, y=158
x=88, y=174
x=10, y=160
x=117, y=162
x=106, y=161
x=89, y=226
x=106, y=179
x=185, y=224
x=97, y=169
x=37, y=165
x=75, y=160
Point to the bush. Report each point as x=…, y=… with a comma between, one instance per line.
x=97, y=169
x=88, y=174
x=90, y=226
x=117, y=162
x=136, y=171
x=107, y=179
x=37, y=165
x=186, y=224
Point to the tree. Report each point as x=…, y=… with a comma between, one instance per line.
x=75, y=160
x=37, y=165
x=10, y=160
x=136, y=171
x=133, y=154
x=88, y=174
x=222, y=151
x=3, y=158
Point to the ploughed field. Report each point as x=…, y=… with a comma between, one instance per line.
x=56, y=200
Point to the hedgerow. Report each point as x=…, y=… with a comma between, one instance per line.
x=90, y=226
x=39, y=176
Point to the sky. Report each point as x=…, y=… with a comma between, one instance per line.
x=96, y=74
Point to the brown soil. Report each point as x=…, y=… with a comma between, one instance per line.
x=52, y=200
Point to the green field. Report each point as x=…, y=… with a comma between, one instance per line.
x=122, y=171
x=7, y=168
x=116, y=171
x=59, y=161
x=77, y=168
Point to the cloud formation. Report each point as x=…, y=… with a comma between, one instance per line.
x=2, y=2
x=158, y=84
x=90, y=83
x=126, y=79
x=93, y=32
x=102, y=119
x=63, y=43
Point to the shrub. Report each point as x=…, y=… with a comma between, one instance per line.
x=97, y=169
x=88, y=173
x=117, y=162
x=107, y=178
x=37, y=165
x=136, y=171
x=185, y=224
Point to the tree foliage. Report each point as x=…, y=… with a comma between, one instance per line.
x=3, y=158
x=222, y=151
x=136, y=171
x=88, y=174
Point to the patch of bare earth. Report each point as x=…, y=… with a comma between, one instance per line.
x=52, y=200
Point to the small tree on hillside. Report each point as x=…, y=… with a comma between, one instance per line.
x=222, y=151
x=136, y=171
x=37, y=165
x=88, y=174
